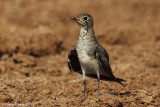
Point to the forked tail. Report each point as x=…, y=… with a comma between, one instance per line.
x=119, y=80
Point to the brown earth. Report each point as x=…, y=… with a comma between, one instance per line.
x=36, y=35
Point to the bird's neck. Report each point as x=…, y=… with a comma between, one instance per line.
x=84, y=31
x=86, y=36
x=86, y=41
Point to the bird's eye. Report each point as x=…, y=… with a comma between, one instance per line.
x=85, y=18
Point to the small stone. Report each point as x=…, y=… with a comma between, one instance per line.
x=110, y=101
x=46, y=91
x=147, y=99
x=133, y=104
x=92, y=101
x=131, y=98
x=142, y=94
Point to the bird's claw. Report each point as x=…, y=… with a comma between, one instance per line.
x=97, y=96
x=84, y=97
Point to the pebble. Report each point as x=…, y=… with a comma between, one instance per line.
x=147, y=99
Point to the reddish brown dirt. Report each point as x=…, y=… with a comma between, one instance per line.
x=36, y=35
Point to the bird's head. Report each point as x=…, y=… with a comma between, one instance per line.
x=84, y=20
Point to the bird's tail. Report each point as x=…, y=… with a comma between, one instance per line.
x=119, y=80
x=114, y=79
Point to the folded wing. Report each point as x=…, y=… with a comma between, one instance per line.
x=73, y=62
x=102, y=56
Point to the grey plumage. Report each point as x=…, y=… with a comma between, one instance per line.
x=89, y=57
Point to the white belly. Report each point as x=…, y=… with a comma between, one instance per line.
x=89, y=64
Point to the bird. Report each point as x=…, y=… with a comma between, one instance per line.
x=89, y=58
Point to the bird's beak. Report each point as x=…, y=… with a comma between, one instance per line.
x=75, y=19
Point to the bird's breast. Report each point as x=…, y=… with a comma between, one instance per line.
x=84, y=57
x=89, y=63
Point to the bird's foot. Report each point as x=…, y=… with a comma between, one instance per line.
x=84, y=97
x=97, y=96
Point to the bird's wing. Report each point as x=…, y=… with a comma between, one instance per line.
x=102, y=56
x=73, y=62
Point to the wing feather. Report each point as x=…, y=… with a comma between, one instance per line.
x=73, y=62
x=103, y=58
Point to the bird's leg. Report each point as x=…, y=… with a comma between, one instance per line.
x=98, y=80
x=84, y=82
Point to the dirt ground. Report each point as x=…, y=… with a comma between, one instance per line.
x=36, y=35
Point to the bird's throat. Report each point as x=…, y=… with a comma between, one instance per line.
x=83, y=31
